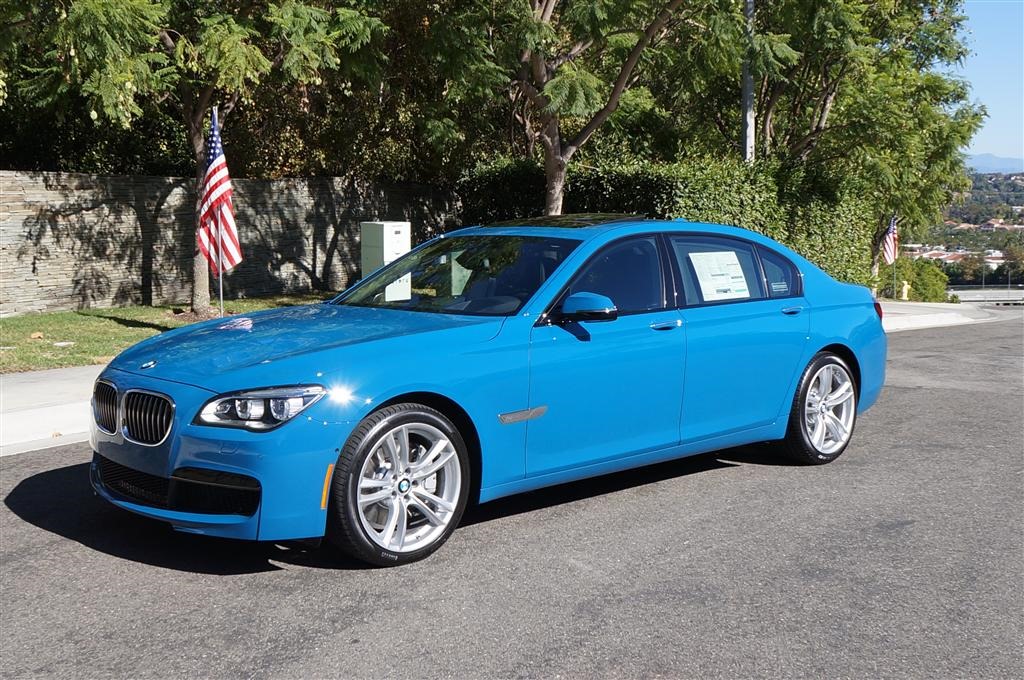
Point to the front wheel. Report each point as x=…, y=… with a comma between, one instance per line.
x=400, y=486
x=824, y=411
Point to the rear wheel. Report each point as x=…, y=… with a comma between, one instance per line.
x=400, y=486
x=824, y=411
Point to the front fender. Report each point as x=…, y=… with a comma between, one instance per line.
x=358, y=391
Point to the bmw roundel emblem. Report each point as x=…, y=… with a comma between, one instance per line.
x=148, y=364
x=403, y=486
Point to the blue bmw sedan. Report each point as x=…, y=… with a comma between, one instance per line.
x=486, y=362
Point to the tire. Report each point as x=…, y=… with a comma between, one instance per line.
x=819, y=433
x=395, y=503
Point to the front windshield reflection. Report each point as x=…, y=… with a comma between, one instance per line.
x=476, y=275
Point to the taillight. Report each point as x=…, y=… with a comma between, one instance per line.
x=878, y=309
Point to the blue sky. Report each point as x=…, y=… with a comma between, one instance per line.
x=995, y=70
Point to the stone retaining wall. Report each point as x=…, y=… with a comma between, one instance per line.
x=69, y=241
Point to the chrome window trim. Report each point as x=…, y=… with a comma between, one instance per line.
x=124, y=426
x=117, y=406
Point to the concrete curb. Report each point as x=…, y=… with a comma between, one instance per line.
x=41, y=444
x=41, y=409
x=44, y=427
x=907, y=316
x=926, y=321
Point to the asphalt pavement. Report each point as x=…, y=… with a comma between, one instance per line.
x=903, y=558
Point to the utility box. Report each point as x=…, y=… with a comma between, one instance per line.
x=381, y=243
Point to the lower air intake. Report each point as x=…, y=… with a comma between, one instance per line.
x=193, y=490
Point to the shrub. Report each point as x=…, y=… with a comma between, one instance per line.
x=502, y=190
x=927, y=280
x=929, y=284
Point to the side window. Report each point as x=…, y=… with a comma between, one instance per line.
x=717, y=269
x=628, y=272
x=780, y=274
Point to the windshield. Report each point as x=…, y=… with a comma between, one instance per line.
x=479, y=275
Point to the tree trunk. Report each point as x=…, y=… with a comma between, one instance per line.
x=876, y=253
x=554, y=171
x=875, y=265
x=200, y=270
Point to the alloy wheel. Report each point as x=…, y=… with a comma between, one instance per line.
x=408, y=487
x=830, y=409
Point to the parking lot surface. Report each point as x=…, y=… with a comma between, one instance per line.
x=903, y=558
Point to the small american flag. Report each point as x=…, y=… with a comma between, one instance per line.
x=890, y=244
x=218, y=237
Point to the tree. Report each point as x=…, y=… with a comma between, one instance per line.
x=1012, y=268
x=564, y=65
x=868, y=98
x=971, y=269
x=120, y=54
x=853, y=96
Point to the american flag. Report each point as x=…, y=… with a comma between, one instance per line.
x=218, y=237
x=890, y=244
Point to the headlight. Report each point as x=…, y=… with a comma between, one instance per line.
x=259, y=409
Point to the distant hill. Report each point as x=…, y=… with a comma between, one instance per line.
x=991, y=197
x=986, y=162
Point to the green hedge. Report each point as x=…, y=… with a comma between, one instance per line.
x=833, y=232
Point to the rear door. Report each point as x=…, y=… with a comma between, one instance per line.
x=609, y=389
x=745, y=333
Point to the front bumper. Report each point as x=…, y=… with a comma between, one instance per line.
x=220, y=481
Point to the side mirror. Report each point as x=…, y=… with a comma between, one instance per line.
x=585, y=306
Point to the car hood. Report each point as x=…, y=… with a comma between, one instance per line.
x=287, y=345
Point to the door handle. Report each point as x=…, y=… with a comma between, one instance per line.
x=666, y=325
x=792, y=311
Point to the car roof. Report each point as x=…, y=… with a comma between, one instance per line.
x=570, y=221
x=588, y=226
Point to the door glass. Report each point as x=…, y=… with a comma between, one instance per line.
x=717, y=270
x=628, y=272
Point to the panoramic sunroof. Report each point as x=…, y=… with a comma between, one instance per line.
x=576, y=220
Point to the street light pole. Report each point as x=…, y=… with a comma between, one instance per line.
x=748, y=84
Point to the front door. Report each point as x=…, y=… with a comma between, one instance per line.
x=608, y=389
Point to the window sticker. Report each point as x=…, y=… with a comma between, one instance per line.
x=720, y=276
x=780, y=287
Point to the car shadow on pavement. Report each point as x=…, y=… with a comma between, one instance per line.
x=62, y=502
x=766, y=453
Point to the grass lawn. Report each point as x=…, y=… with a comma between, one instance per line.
x=32, y=342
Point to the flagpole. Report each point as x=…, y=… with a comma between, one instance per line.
x=220, y=244
x=220, y=268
